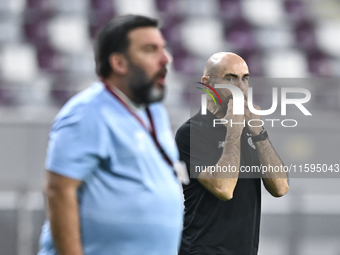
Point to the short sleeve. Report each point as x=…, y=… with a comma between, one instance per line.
x=193, y=147
x=74, y=146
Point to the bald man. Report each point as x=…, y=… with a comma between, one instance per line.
x=222, y=208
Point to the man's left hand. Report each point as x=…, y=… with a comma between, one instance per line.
x=255, y=126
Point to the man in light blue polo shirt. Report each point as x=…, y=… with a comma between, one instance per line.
x=111, y=187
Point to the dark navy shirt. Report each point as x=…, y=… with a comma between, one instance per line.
x=213, y=226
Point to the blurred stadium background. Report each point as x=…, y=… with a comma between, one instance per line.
x=46, y=57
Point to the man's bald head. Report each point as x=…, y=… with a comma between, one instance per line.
x=221, y=61
x=226, y=68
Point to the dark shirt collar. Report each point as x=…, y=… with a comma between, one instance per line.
x=208, y=119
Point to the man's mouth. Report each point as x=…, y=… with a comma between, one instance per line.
x=161, y=81
x=161, y=77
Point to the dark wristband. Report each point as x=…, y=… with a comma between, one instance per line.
x=262, y=136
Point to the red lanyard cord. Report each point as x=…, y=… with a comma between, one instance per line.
x=151, y=132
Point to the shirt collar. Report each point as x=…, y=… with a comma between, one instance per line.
x=209, y=119
x=134, y=107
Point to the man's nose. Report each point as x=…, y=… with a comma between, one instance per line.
x=166, y=57
x=242, y=85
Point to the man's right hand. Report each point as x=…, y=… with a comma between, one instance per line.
x=234, y=130
x=222, y=184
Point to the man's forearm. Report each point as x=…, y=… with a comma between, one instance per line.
x=220, y=183
x=64, y=220
x=275, y=182
x=231, y=156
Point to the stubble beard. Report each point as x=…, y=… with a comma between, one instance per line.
x=143, y=90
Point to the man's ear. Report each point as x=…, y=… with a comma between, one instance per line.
x=206, y=80
x=118, y=63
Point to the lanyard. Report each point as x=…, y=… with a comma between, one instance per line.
x=151, y=132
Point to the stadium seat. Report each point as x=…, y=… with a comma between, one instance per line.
x=10, y=29
x=240, y=34
x=35, y=27
x=274, y=37
x=295, y=9
x=285, y=63
x=205, y=8
x=318, y=63
x=104, y=5
x=263, y=12
x=145, y=7
x=69, y=33
x=62, y=89
x=328, y=37
x=253, y=59
x=305, y=34
x=49, y=59
x=183, y=61
x=38, y=6
x=98, y=19
x=19, y=63
x=70, y=7
x=230, y=9
x=101, y=12
x=171, y=30
x=167, y=7
x=202, y=36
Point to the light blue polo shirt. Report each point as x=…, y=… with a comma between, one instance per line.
x=130, y=201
